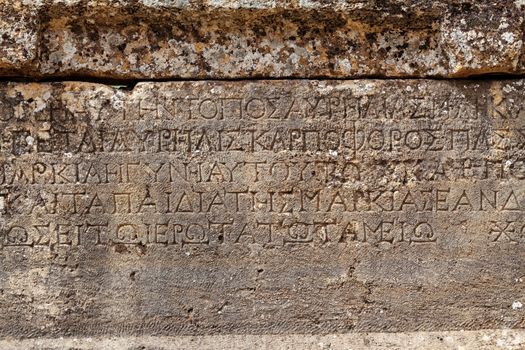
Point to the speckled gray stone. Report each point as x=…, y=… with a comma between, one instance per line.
x=163, y=39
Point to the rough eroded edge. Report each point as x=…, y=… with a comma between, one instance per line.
x=482, y=339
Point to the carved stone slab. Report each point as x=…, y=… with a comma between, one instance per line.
x=261, y=207
x=148, y=39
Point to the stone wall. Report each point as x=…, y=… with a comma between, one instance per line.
x=182, y=174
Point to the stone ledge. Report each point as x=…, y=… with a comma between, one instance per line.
x=479, y=340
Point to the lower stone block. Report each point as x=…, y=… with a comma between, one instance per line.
x=269, y=207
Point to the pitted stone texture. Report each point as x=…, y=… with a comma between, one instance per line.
x=164, y=39
x=261, y=207
x=19, y=36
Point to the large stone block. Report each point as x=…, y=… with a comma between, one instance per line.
x=163, y=39
x=261, y=207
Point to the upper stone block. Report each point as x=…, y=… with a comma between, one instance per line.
x=169, y=39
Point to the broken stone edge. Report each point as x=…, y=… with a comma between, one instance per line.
x=482, y=339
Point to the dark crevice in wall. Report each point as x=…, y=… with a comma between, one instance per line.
x=129, y=84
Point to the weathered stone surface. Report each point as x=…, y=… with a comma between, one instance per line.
x=261, y=207
x=476, y=340
x=237, y=39
x=19, y=34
